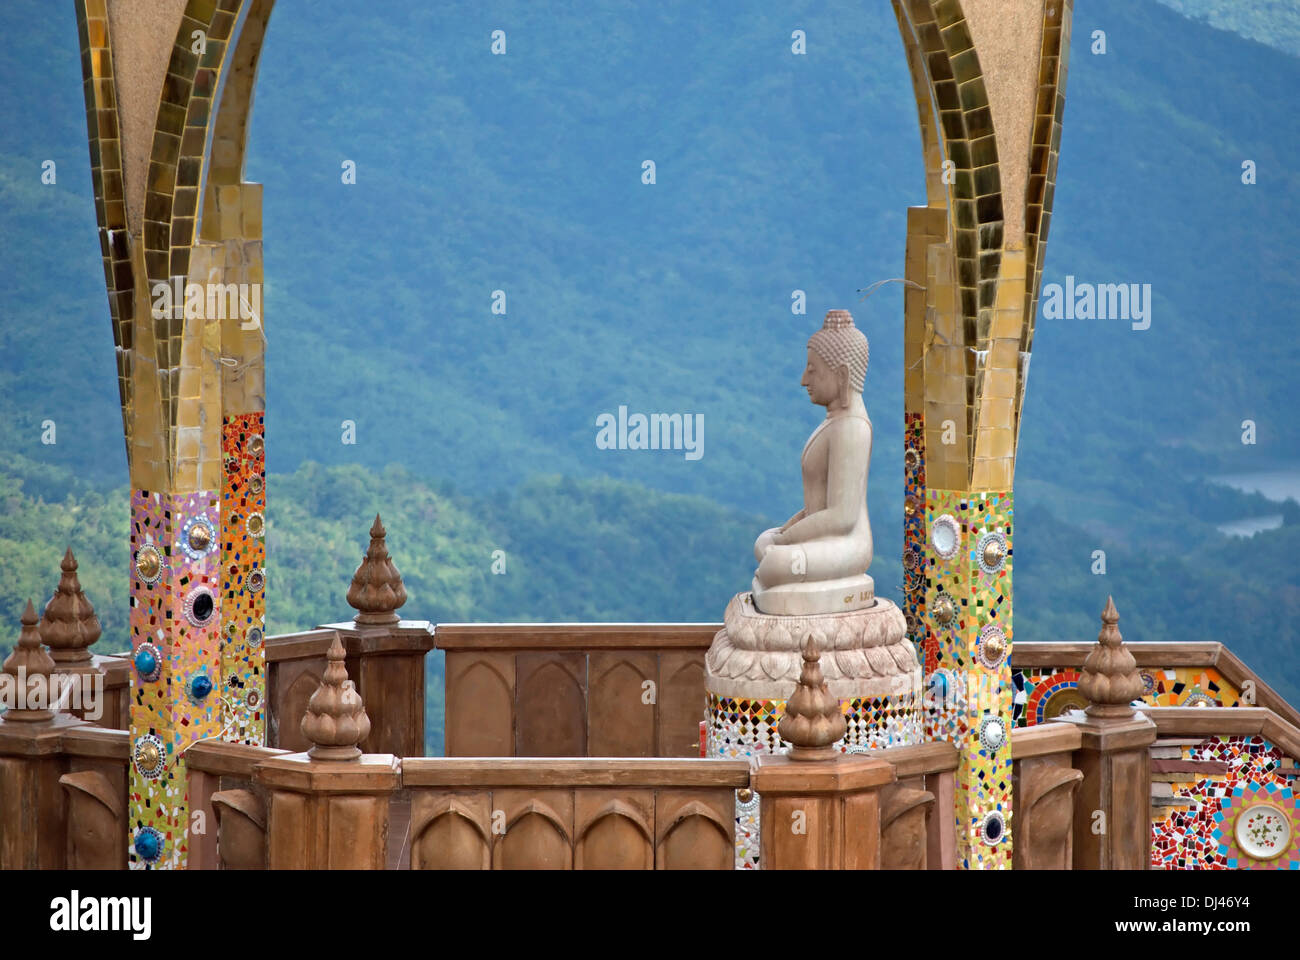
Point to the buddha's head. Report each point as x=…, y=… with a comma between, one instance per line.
x=837, y=361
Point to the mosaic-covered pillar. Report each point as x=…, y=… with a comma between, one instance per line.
x=175, y=596
x=989, y=79
x=233, y=257
x=243, y=576
x=181, y=241
x=968, y=599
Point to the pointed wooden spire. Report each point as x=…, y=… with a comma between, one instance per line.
x=1110, y=678
x=377, y=590
x=812, y=722
x=69, y=625
x=28, y=660
x=336, y=719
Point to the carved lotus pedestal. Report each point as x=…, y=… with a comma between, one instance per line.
x=753, y=665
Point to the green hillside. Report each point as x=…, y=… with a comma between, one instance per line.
x=603, y=549
x=775, y=173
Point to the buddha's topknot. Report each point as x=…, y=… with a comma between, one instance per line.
x=841, y=344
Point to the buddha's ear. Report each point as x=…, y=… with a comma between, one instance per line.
x=843, y=382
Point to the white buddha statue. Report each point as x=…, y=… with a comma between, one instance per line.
x=816, y=561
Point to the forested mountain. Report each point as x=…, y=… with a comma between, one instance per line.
x=774, y=173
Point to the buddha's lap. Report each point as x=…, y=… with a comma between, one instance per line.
x=830, y=558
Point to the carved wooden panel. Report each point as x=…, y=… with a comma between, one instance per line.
x=941, y=846
x=1130, y=817
x=538, y=830
x=451, y=831
x=614, y=830
x=1044, y=805
x=291, y=831
x=96, y=822
x=292, y=686
x=480, y=708
x=621, y=707
x=241, y=829
x=551, y=705
x=859, y=831
x=695, y=830
x=682, y=703
x=392, y=688
x=904, y=819
x=357, y=832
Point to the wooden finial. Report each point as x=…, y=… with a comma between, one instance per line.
x=1110, y=678
x=336, y=718
x=812, y=722
x=28, y=660
x=69, y=625
x=377, y=590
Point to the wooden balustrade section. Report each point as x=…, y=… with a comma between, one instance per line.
x=574, y=689
x=917, y=829
x=387, y=665
x=1044, y=782
x=1027, y=653
x=228, y=804
x=1237, y=722
x=572, y=813
x=63, y=795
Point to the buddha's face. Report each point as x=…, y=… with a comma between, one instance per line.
x=820, y=380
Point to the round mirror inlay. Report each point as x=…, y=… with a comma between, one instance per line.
x=993, y=733
x=945, y=536
x=255, y=483
x=149, y=563
x=256, y=581
x=255, y=637
x=253, y=699
x=992, y=552
x=198, y=537
x=993, y=829
x=148, y=844
x=256, y=525
x=148, y=662
x=911, y=458
x=200, y=606
x=1263, y=831
x=256, y=445
x=992, y=646
x=149, y=755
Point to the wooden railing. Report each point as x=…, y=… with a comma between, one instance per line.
x=917, y=830
x=230, y=805
x=1026, y=654
x=574, y=689
x=1044, y=782
x=1240, y=721
x=385, y=663
x=573, y=813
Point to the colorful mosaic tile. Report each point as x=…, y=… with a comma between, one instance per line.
x=1203, y=833
x=1042, y=693
x=914, y=539
x=745, y=729
x=175, y=612
x=243, y=552
x=967, y=605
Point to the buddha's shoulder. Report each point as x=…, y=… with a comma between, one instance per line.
x=849, y=427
